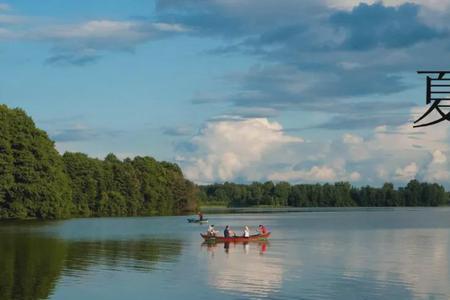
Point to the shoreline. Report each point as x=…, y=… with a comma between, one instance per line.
x=288, y=209
x=241, y=210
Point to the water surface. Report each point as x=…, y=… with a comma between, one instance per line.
x=333, y=254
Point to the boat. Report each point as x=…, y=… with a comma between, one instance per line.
x=235, y=239
x=198, y=221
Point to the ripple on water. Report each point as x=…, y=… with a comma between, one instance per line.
x=122, y=255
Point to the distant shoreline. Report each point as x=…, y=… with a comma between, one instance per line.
x=287, y=209
x=238, y=210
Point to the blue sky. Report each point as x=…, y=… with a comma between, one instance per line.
x=303, y=91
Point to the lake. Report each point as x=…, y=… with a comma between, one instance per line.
x=400, y=253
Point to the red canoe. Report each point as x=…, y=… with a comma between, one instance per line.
x=235, y=239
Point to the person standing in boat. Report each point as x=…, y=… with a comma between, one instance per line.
x=228, y=232
x=200, y=216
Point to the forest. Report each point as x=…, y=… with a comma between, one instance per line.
x=37, y=182
x=339, y=194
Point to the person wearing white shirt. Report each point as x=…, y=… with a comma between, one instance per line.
x=211, y=231
x=246, y=232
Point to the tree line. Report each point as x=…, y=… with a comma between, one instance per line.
x=37, y=182
x=339, y=194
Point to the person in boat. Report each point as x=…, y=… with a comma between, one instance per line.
x=200, y=216
x=246, y=232
x=262, y=229
x=211, y=231
x=228, y=232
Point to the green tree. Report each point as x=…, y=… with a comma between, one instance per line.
x=33, y=183
x=281, y=193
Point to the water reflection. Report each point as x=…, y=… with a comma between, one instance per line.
x=413, y=260
x=31, y=264
x=262, y=246
x=242, y=269
x=375, y=264
x=139, y=255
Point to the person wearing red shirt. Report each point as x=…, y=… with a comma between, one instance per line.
x=262, y=229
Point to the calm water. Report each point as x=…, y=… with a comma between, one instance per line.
x=365, y=254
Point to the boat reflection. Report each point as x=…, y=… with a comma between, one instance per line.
x=260, y=246
x=244, y=269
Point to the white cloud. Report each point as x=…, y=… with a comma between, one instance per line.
x=100, y=34
x=228, y=147
x=407, y=173
x=170, y=27
x=439, y=157
x=381, y=128
x=352, y=139
x=401, y=153
x=108, y=29
x=355, y=176
x=381, y=172
x=85, y=42
x=315, y=174
x=438, y=168
x=258, y=149
x=437, y=176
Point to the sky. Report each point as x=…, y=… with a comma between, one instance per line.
x=302, y=91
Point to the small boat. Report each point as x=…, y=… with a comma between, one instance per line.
x=235, y=239
x=198, y=221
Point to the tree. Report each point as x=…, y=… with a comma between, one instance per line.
x=413, y=193
x=323, y=195
x=281, y=193
x=33, y=183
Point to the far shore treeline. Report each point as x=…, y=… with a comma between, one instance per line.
x=37, y=182
x=340, y=194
